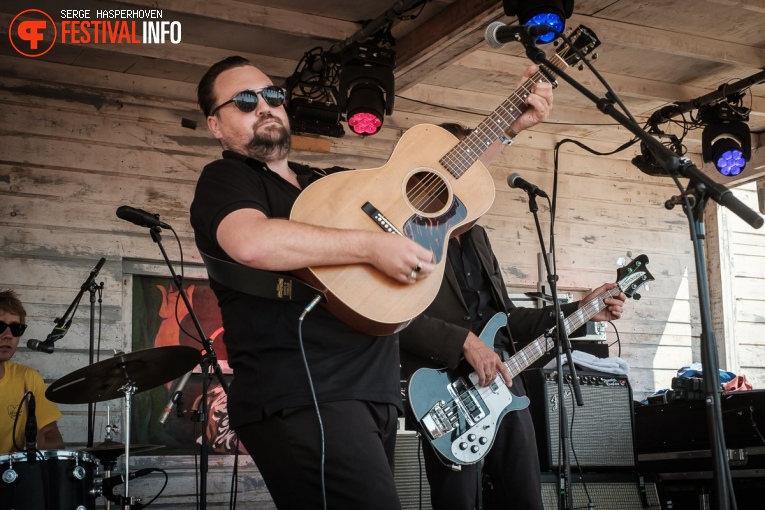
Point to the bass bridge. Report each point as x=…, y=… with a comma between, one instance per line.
x=444, y=416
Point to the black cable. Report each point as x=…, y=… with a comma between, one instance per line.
x=181, y=280
x=24, y=397
x=618, y=339
x=158, y=470
x=234, y=477
x=308, y=308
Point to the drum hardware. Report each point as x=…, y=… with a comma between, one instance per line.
x=55, y=480
x=122, y=375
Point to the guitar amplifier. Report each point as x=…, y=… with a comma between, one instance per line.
x=620, y=491
x=601, y=431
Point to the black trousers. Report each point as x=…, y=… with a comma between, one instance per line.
x=360, y=442
x=511, y=475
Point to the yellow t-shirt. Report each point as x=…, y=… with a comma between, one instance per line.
x=17, y=380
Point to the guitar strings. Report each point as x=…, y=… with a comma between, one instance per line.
x=516, y=368
x=424, y=193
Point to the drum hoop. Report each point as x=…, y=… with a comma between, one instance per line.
x=44, y=455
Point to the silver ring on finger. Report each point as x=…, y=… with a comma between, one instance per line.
x=418, y=267
x=413, y=275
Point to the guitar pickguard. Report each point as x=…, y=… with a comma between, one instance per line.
x=432, y=232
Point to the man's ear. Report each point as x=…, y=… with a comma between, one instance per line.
x=212, y=125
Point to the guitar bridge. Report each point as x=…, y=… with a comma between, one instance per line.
x=380, y=218
x=440, y=420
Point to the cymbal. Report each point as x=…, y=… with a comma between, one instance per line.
x=145, y=368
x=108, y=451
x=114, y=446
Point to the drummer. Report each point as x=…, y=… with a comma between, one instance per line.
x=15, y=380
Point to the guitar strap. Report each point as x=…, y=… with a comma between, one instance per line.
x=257, y=282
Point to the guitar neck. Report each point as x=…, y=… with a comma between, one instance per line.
x=467, y=152
x=536, y=349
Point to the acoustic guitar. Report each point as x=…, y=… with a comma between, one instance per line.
x=431, y=188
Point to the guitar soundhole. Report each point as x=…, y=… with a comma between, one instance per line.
x=427, y=192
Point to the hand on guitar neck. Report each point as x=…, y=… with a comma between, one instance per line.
x=614, y=303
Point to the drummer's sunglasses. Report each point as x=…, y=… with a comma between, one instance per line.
x=247, y=100
x=16, y=328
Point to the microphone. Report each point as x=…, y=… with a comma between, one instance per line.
x=140, y=217
x=40, y=345
x=31, y=429
x=47, y=344
x=516, y=181
x=178, y=390
x=498, y=34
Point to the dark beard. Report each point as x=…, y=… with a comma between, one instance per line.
x=272, y=144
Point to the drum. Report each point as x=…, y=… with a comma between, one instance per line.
x=54, y=480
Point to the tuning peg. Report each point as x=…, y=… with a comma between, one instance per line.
x=622, y=261
x=636, y=296
x=594, y=56
x=580, y=67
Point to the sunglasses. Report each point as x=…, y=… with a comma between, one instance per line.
x=16, y=328
x=247, y=100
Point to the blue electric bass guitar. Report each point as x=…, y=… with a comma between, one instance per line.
x=460, y=418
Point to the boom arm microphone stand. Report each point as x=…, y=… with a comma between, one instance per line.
x=701, y=187
x=63, y=324
x=562, y=345
x=209, y=361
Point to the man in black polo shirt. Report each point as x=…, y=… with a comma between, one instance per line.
x=342, y=456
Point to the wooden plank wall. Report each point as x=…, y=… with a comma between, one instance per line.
x=77, y=143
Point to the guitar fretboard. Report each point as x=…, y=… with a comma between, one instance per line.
x=536, y=349
x=467, y=152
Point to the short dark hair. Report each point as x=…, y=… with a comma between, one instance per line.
x=10, y=303
x=205, y=96
x=457, y=130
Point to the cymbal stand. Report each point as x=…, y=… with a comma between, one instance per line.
x=111, y=463
x=129, y=388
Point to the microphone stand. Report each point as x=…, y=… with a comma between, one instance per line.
x=701, y=187
x=209, y=361
x=562, y=345
x=62, y=326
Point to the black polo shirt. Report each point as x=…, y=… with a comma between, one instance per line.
x=261, y=335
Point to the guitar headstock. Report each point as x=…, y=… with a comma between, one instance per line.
x=634, y=275
x=582, y=42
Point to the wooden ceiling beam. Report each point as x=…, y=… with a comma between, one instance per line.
x=624, y=85
x=442, y=39
x=704, y=48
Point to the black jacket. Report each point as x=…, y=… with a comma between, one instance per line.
x=435, y=338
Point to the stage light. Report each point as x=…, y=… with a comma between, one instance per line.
x=552, y=13
x=366, y=86
x=365, y=108
x=315, y=117
x=726, y=139
x=312, y=92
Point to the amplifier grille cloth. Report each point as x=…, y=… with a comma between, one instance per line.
x=606, y=496
x=411, y=481
x=602, y=428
